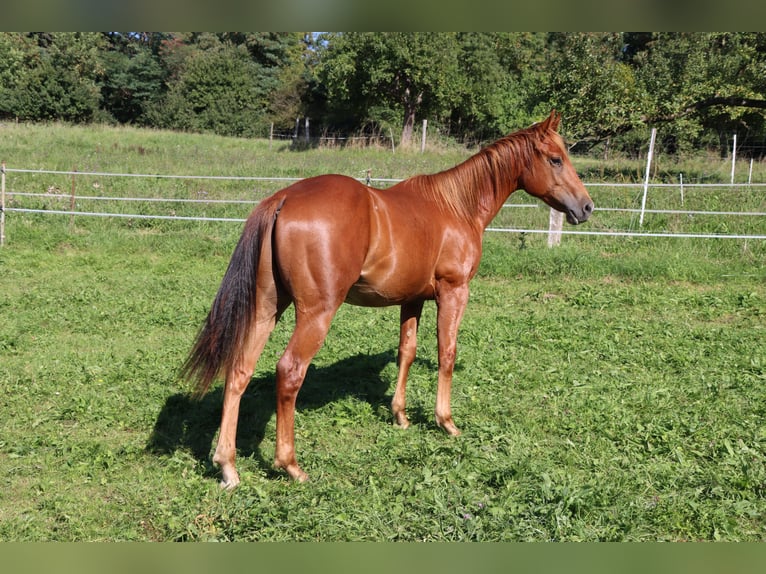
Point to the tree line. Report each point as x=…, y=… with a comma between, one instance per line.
x=696, y=88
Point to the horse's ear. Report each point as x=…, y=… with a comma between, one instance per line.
x=553, y=121
x=550, y=123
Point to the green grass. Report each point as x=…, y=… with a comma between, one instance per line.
x=609, y=389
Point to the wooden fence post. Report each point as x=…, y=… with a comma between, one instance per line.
x=555, y=225
x=423, y=137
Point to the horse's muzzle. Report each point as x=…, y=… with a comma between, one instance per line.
x=581, y=215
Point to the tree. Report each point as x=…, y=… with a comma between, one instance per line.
x=289, y=98
x=12, y=54
x=697, y=82
x=224, y=82
x=216, y=91
x=504, y=82
x=133, y=77
x=381, y=75
x=56, y=76
x=592, y=87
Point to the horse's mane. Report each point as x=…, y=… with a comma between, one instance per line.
x=461, y=190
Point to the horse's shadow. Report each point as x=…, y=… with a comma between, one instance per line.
x=186, y=422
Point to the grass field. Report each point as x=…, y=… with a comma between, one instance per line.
x=609, y=389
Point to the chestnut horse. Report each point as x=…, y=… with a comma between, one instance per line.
x=330, y=239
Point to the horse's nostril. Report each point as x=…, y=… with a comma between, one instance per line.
x=588, y=207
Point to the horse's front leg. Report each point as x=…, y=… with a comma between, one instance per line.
x=408, y=343
x=451, y=302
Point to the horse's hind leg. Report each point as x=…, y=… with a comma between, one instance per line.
x=408, y=343
x=237, y=379
x=310, y=332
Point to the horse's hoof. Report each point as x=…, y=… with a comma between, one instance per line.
x=293, y=470
x=229, y=484
x=230, y=480
x=449, y=427
x=297, y=474
x=402, y=422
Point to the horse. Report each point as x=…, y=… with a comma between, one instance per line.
x=330, y=239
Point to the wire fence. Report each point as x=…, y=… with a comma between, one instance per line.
x=694, y=210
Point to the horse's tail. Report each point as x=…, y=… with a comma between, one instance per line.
x=220, y=341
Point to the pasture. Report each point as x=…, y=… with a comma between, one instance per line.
x=608, y=389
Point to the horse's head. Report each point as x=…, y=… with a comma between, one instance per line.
x=551, y=176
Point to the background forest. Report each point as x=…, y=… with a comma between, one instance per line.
x=697, y=88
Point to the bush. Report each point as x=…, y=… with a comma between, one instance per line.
x=217, y=91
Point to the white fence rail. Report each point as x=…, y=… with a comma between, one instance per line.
x=553, y=232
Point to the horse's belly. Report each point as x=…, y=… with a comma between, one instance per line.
x=367, y=299
x=366, y=294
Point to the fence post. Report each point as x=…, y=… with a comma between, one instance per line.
x=681, y=179
x=733, y=157
x=71, y=202
x=307, y=130
x=2, y=205
x=646, y=177
x=423, y=137
x=555, y=224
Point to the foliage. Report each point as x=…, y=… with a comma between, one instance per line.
x=408, y=73
x=683, y=75
x=217, y=91
x=131, y=85
x=698, y=88
x=609, y=102
x=222, y=87
x=57, y=78
x=504, y=78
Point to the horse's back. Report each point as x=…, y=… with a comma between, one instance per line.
x=326, y=185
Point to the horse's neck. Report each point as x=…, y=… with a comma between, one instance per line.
x=489, y=186
x=487, y=215
x=476, y=189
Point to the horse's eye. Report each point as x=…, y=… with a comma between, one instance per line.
x=556, y=162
